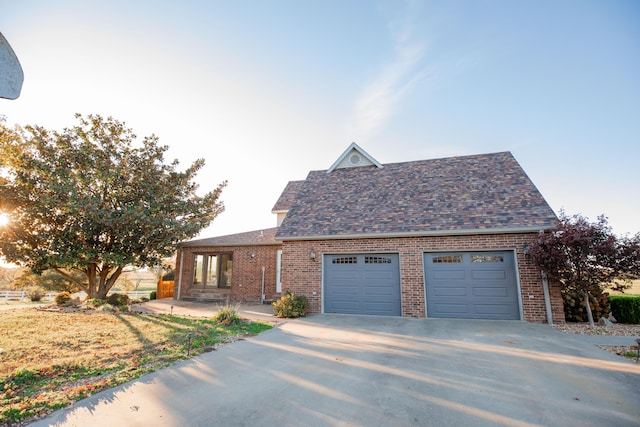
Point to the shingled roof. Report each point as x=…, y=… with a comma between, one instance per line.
x=249, y=238
x=287, y=197
x=459, y=195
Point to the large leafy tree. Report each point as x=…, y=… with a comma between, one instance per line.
x=90, y=199
x=586, y=256
x=49, y=280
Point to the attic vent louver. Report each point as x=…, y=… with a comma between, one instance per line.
x=355, y=159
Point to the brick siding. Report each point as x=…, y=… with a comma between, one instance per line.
x=246, y=277
x=303, y=276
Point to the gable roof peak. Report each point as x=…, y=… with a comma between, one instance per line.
x=354, y=156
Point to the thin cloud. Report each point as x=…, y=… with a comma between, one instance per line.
x=380, y=98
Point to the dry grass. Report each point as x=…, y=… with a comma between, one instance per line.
x=52, y=357
x=633, y=290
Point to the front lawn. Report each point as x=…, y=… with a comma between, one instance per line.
x=52, y=357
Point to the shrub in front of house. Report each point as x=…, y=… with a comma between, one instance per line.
x=575, y=309
x=97, y=302
x=228, y=316
x=625, y=308
x=290, y=306
x=152, y=295
x=63, y=298
x=118, y=300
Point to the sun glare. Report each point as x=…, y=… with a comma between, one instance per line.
x=4, y=219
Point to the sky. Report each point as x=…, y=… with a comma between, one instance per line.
x=266, y=91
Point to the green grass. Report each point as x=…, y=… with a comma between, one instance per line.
x=53, y=357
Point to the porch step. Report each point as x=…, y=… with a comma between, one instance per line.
x=274, y=297
x=206, y=297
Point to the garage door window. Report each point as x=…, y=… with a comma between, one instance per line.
x=487, y=258
x=377, y=260
x=345, y=260
x=446, y=259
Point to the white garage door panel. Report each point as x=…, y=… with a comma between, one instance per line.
x=475, y=285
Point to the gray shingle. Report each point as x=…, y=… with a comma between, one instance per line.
x=288, y=196
x=458, y=194
x=250, y=238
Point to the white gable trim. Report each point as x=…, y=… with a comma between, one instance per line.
x=353, y=147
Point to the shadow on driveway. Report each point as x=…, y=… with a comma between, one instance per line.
x=333, y=370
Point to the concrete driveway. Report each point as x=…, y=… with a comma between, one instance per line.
x=333, y=370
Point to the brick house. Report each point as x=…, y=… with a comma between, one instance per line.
x=432, y=238
x=236, y=267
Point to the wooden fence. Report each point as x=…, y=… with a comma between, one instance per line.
x=165, y=289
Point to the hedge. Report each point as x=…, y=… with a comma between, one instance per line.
x=625, y=308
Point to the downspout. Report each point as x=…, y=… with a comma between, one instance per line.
x=262, y=301
x=547, y=299
x=180, y=274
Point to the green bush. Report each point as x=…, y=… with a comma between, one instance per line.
x=290, y=306
x=97, y=302
x=576, y=311
x=228, y=315
x=118, y=300
x=63, y=298
x=153, y=295
x=625, y=308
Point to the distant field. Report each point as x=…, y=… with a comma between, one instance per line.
x=633, y=290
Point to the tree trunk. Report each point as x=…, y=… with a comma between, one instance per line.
x=588, y=307
x=91, y=278
x=106, y=282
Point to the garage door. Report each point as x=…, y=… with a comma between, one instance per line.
x=474, y=285
x=362, y=284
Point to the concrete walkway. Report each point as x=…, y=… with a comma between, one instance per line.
x=252, y=311
x=333, y=370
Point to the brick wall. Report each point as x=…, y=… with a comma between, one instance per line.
x=304, y=277
x=246, y=278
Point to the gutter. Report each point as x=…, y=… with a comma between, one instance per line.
x=533, y=229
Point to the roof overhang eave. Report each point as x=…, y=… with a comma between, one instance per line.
x=213, y=245
x=433, y=233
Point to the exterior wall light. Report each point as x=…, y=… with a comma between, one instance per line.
x=527, y=249
x=312, y=255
